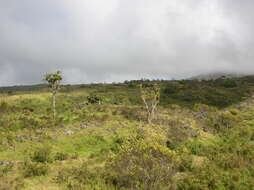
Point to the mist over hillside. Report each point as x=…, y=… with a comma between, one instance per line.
x=217, y=75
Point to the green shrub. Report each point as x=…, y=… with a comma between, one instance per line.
x=135, y=99
x=234, y=111
x=222, y=121
x=229, y=83
x=43, y=155
x=171, y=88
x=211, y=177
x=132, y=113
x=196, y=147
x=178, y=133
x=117, y=142
x=31, y=169
x=4, y=107
x=185, y=163
x=93, y=99
x=61, y=156
x=142, y=166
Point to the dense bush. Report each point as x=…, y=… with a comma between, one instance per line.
x=93, y=99
x=179, y=134
x=4, y=106
x=229, y=83
x=31, y=169
x=138, y=165
x=171, y=88
x=143, y=166
x=210, y=177
x=222, y=121
x=229, y=162
x=43, y=155
x=219, y=93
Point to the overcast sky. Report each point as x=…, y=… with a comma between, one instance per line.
x=114, y=40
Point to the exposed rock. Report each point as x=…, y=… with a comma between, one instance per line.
x=5, y=163
x=68, y=132
x=23, y=138
x=20, y=139
x=83, y=125
x=80, y=106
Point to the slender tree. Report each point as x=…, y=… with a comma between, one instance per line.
x=150, y=94
x=54, y=80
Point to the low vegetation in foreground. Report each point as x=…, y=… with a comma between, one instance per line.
x=201, y=137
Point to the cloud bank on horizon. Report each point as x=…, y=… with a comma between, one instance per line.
x=99, y=40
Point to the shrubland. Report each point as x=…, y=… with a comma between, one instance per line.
x=201, y=137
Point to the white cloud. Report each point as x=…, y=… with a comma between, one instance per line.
x=98, y=40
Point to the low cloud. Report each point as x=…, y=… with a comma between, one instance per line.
x=97, y=41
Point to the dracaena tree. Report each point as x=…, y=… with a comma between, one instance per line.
x=54, y=80
x=150, y=94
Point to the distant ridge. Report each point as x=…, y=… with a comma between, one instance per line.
x=217, y=75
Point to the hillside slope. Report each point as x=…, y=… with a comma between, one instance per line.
x=202, y=137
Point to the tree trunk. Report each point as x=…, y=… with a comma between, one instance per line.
x=149, y=117
x=54, y=105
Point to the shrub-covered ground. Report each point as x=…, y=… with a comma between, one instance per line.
x=202, y=137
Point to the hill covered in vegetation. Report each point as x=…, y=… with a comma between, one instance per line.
x=202, y=137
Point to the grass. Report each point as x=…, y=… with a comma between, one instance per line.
x=210, y=147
